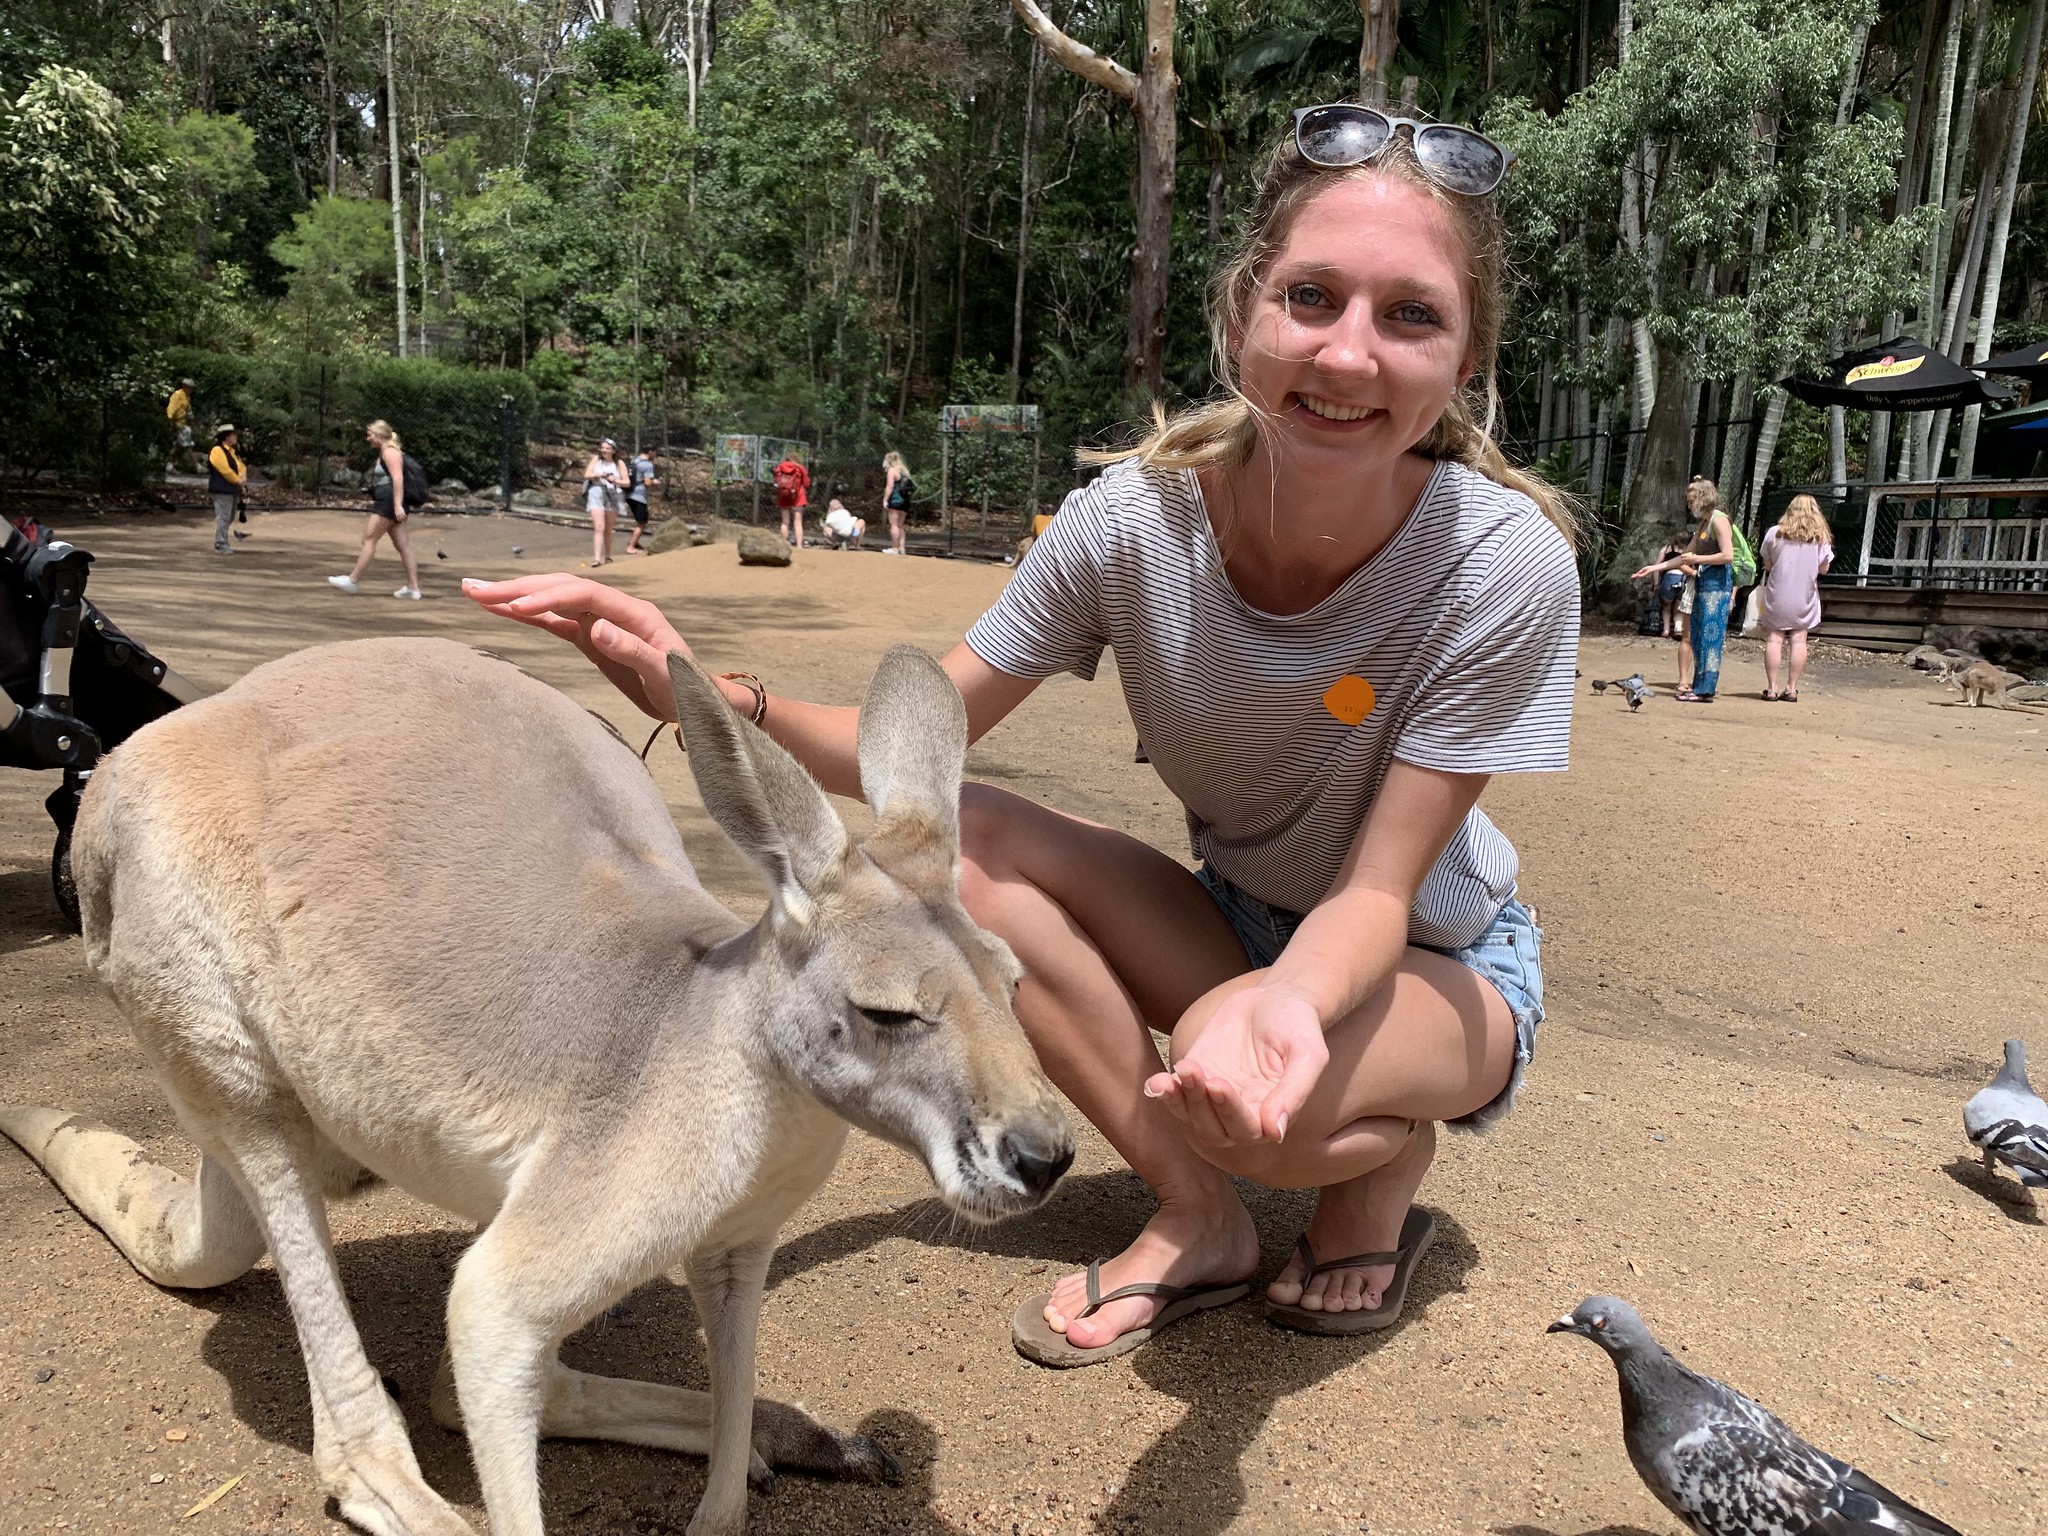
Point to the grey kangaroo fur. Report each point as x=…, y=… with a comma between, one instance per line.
x=395, y=910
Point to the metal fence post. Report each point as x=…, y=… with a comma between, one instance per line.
x=506, y=422
x=320, y=437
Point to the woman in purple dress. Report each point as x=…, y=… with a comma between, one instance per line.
x=1794, y=556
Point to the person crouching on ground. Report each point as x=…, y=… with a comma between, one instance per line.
x=842, y=529
x=1796, y=554
x=388, y=512
x=226, y=478
x=1336, y=612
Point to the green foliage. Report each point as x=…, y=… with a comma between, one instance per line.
x=1701, y=77
x=283, y=403
x=339, y=257
x=86, y=265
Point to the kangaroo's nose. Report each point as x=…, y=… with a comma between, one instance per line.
x=1037, y=1168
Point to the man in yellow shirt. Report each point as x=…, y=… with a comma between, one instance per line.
x=180, y=413
x=226, y=474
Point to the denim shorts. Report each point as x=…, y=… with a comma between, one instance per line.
x=1507, y=955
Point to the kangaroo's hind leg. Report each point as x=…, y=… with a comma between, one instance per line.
x=184, y=1231
x=361, y=1454
x=582, y=1406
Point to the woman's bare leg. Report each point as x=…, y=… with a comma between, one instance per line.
x=1684, y=650
x=1798, y=657
x=401, y=539
x=1113, y=936
x=1435, y=1043
x=373, y=530
x=1774, y=655
x=896, y=530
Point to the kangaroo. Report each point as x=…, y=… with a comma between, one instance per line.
x=1985, y=684
x=394, y=909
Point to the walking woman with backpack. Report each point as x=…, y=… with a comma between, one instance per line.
x=1713, y=557
x=1336, y=611
x=397, y=486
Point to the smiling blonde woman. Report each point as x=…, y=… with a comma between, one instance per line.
x=1336, y=611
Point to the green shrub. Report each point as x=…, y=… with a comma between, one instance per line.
x=293, y=412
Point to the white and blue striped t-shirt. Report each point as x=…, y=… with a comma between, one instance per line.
x=1465, y=625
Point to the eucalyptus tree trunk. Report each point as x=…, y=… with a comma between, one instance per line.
x=397, y=189
x=1150, y=92
x=1909, y=168
x=1964, y=283
x=1378, y=40
x=1994, y=268
x=1766, y=449
x=1023, y=224
x=1929, y=326
x=1656, y=490
x=1632, y=175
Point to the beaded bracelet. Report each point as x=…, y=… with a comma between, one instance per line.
x=754, y=686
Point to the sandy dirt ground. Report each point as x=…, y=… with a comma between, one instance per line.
x=1784, y=944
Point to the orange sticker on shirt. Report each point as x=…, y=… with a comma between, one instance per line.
x=1350, y=699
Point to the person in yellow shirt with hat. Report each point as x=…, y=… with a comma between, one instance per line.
x=226, y=475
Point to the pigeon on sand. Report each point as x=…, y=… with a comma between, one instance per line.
x=2008, y=1123
x=1632, y=687
x=1724, y=1465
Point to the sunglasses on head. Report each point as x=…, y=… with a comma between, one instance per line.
x=1343, y=133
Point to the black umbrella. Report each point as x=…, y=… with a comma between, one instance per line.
x=2029, y=362
x=1896, y=375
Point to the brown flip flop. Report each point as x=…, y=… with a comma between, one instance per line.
x=1417, y=1233
x=1036, y=1339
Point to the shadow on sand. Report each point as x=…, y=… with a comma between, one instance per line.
x=2002, y=1190
x=1188, y=1480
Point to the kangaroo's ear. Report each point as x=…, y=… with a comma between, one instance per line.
x=913, y=745
x=760, y=795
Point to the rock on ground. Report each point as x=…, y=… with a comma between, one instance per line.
x=760, y=547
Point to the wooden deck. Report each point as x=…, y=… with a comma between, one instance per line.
x=1897, y=618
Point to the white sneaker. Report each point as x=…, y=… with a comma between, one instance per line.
x=345, y=583
x=408, y=592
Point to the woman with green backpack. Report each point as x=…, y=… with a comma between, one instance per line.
x=1716, y=559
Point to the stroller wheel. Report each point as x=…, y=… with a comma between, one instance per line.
x=62, y=885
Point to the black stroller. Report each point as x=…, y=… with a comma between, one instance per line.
x=75, y=686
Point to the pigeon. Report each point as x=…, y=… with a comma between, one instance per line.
x=517, y=550
x=2008, y=1123
x=1632, y=687
x=1724, y=1465
x=440, y=554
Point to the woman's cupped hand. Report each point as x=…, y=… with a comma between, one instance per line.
x=1249, y=1071
x=626, y=637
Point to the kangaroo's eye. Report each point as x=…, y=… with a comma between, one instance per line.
x=890, y=1018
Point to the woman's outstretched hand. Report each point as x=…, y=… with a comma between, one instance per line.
x=626, y=637
x=1249, y=1072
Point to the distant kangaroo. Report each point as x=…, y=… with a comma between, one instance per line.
x=394, y=909
x=1982, y=683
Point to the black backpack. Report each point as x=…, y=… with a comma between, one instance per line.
x=416, y=492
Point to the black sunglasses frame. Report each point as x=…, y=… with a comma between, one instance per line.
x=1418, y=132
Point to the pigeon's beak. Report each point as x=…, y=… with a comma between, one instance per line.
x=1565, y=1324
